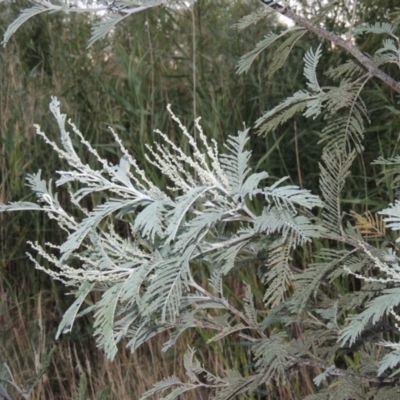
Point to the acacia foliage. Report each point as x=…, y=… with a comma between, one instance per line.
x=207, y=217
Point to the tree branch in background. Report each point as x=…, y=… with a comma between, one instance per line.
x=337, y=40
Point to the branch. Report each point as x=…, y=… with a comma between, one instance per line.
x=332, y=37
x=342, y=372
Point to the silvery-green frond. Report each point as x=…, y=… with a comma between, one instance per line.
x=278, y=275
x=335, y=168
x=307, y=282
x=345, y=71
x=391, y=360
x=234, y=384
x=311, y=59
x=143, y=330
x=145, y=277
x=115, y=12
x=346, y=388
x=172, y=384
x=150, y=222
x=282, y=222
x=311, y=100
x=20, y=206
x=196, y=374
x=345, y=131
x=104, y=317
x=193, y=231
x=394, y=161
x=164, y=293
x=72, y=312
x=192, y=365
x=384, y=393
x=272, y=358
x=281, y=53
x=376, y=309
x=251, y=186
x=48, y=202
x=394, y=171
x=227, y=331
x=392, y=217
x=90, y=223
x=198, y=317
x=186, y=322
x=235, y=162
x=184, y=206
x=364, y=296
x=389, y=45
x=223, y=261
x=289, y=197
x=249, y=307
x=294, y=35
x=377, y=28
x=69, y=151
x=43, y=191
x=108, y=22
x=246, y=60
x=329, y=315
x=40, y=7
x=388, y=53
x=253, y=18
x=322, y=377
x=284, y=111
x=345, y=96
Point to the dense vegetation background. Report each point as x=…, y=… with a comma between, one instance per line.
x=187, y=59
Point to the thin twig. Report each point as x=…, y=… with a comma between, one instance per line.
x=341, y=372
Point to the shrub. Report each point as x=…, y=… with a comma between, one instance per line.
x=207, y=218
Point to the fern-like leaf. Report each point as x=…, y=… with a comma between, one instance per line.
x=390, y=360
x=246, y=61
x=274, y=220
x=107, y=23
x=334, y=171
x=282, y=52
x=377, y=28
x=307, y=283
x=376, y=309
x=70, y=315
x=235, y=384
x=311, y=59
x=392, y=219
x=345, y=71
x=104, y=320
x=252, y=18
x=272, y=358
x=235, y=163
x=43, y=6
x=165, y=384
x=278, y=275
x=283, y=112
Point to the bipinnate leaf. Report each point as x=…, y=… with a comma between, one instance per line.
x=145, y=273
x=70, y=315
x=375, y=310
x=23, y=17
